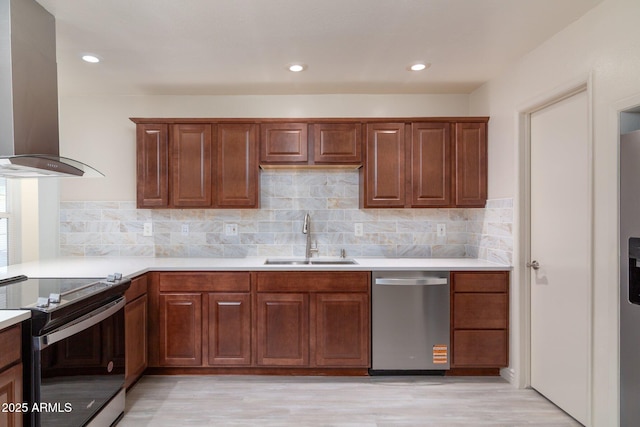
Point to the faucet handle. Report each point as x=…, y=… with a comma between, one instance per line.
x=314, y=247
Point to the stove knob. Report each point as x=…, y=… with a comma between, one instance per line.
x=111, y=278
x=54, y=298
x=43, y=302
x=117, y=276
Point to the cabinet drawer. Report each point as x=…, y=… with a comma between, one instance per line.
x=480, y=349
x=353, y=281
x=493, y=281
x=138, y=287
x=480, y=311
x=10, y=343
x=205, y=282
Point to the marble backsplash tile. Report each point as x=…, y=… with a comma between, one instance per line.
x=331, y=197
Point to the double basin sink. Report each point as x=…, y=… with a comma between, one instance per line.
x=310, y=261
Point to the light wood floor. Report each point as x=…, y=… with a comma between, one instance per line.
x=335, y=401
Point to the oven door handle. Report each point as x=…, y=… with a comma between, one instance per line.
x=84, y=322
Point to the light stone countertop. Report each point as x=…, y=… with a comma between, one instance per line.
x=132, y=266
x=12, y=317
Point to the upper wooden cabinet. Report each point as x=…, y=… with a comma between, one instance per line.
x=425, y=164
x=471, y=164
x=191, y=161
x=152, y=152
x=196, y=165
x=430, y=164
x=336, y=143
x=310, y=143
x=237, y=173
x=407, y=162
x=383, y=183
x=283, y=143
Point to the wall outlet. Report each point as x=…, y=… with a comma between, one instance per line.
x=358, y=229
x=184, y=230
x=231, y=229
x=147, y=229
x=441, y=230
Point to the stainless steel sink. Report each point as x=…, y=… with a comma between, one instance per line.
x=276, y=261
x=282, y=261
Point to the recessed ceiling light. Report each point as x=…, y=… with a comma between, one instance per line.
x=296, y=68
x=419, y=66
x=90, y=58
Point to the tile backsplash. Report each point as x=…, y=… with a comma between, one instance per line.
x=112, y=228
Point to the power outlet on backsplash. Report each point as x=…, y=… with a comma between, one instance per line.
x=231, y=229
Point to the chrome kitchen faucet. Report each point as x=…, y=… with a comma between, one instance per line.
x=306, y=229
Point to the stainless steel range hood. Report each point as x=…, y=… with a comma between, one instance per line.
x=29, y=141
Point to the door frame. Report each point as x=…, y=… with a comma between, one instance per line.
x=522, y=250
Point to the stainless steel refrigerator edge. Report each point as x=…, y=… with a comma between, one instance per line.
x=410, y=321
x=629, y=279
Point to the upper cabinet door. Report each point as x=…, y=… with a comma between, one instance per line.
x=383, y=176
x=430, y=164
x=283, y=143
x=152, y=152
x=337, y=143
x=191, y=163
x=237, y=171
x=471, y=164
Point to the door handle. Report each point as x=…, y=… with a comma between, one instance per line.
x=534, y=264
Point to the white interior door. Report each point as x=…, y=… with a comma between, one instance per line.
x=561, y=244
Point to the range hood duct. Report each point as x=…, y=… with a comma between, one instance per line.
x=29, y=140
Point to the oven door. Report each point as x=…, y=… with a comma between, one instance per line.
x=78, y=369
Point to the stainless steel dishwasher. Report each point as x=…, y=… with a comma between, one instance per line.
x=410, y=322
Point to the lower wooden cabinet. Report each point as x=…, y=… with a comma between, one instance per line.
x=11, y=375
x=260, y=320
x=341, y=329
x=203, y=319
x=480, y=319
x=135, y=318
x=313, y=319
x=180, y=329
x=480, y=348
x=229, y=324
x=136, y=335
x=11, y=392
x=304, y=319
x=283, y=329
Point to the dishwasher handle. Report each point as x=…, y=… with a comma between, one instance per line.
x=418, y=281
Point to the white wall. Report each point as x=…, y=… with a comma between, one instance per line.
x=97, y=130
x=604, y=46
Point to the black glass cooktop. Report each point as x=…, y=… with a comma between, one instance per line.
x=59, y=298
